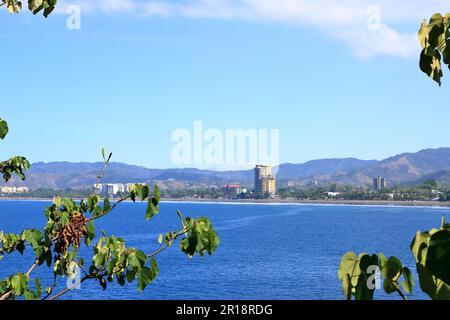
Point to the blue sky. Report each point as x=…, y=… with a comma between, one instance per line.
x=129, y=77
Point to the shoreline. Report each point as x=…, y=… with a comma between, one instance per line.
x=320, y=202
x=282, y=202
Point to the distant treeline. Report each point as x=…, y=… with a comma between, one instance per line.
x=426, y=191
x=50, y=193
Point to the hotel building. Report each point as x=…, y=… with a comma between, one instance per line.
x=265, y=181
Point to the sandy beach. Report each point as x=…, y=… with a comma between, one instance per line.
x=323, y=202
x=284, y=202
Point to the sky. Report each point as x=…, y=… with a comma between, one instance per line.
x=336, y=78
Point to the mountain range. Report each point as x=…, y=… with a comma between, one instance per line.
x=403, y=169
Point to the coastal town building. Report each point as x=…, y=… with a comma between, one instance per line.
x=333, y=194
x=380, y=184
x=232, y=190
x=14, y=190
x=313, y=183
x=112, y=189
x=363, y=189
x=265, y=181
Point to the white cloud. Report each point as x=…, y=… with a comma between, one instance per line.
x=345, y=20
x=383, y=41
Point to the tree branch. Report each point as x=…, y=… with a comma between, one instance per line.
x=166, y=245
x=88, y=277
x=52, y=288
x=100, y=177
x=8, y=294
x=109, y=211
x=56, y=296
x=401, y=294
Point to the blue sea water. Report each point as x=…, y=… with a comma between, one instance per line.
x=267, y=251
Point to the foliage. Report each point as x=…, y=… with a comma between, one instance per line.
x=358, y=275
x=434, y=38
x=35, y=6
x=71, y=223
x=431, y=250
x=15, y=165
x=432, y=253
x=427, y=191
x=50, y=193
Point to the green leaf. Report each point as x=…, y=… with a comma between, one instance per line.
x=19, y=284
x=154, y=267
x=438, y=256
x=30, y=296
x=92, y=203
x=131, y=275
x=391, y=272
x=3, y=129
x=121, y=279
x=368, y=261
x=349, y=266
x=57, y=201
x=152, y=209
x=418, y=245
x=436, y=18
x=34, y=237
x=180, y=215
x=90, y=233
x=38, y=287
x=382, y=260
x=106, y=205
x=347, y=286
x=423, y=34
x=408, y=284
x=65, y=218
x=99, y=259
x=431, y=65
x=362, y=292
x=142, y=191
x=15, y=165
x=48, y=11
x=435, y=288
x=157, y=194
x=106, y=160
x=35, y=5
x=13, y=6
x=434, y=39
x=446, y=53
x=137, y=260
x=145, y=277
x=434, y=35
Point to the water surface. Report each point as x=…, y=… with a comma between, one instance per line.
x=267, y=251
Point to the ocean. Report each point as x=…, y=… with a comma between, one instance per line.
x=268, y=251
